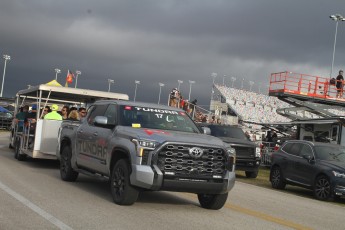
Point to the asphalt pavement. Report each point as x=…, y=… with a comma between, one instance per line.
x=32, y=196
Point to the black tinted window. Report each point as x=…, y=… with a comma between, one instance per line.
x=227, y=131
x=97, y=110
x=306, y=150
x=287, y=147
x=155, y=118
x=110, y=113
x=295, y=149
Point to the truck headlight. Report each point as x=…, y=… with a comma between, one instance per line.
x=144, y=144
x=231, y=151
x=338, y=174
x=257, y=152
x=231, y=159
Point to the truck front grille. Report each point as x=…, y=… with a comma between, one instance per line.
x=244, y=152
x=175, y=159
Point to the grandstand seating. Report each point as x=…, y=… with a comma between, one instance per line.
x=255, y=107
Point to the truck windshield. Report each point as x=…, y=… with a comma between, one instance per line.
x=227, y=131
x=154, y=118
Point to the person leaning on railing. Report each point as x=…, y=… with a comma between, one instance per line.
x=340, y=84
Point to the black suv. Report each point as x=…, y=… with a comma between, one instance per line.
x=247, y=152
x=6, y=120
x=316, y=166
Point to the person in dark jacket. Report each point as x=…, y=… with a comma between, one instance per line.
x=339, y=84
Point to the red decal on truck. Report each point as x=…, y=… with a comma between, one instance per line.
x=151, y=132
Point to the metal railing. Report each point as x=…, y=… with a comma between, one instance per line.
x=267, y=149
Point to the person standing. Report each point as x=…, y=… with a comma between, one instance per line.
x=339, y=84
x=65, y=112
x=82, y=113
x=53, y=115
x=46, y=110
x=20, y=117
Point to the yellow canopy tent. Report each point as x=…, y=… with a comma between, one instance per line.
x=53, y=83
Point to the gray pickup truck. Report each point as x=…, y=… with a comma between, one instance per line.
x=141, y=146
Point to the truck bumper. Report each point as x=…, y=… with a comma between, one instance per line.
x=248, y=165
x=152, y=178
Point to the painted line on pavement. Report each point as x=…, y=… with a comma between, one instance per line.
x=35, y=208
x=261, y=215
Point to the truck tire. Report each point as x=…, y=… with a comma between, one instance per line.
x=212, y=201
x=252, y=174
x=67, y=173
x=122, y=191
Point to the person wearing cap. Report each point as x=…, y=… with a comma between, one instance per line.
x=53, y=115
x=339, y=84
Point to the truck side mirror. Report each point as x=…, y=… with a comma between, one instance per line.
x=101, y=121
x=206, y=130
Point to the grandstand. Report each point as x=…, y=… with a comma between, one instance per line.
x=291, y=97
x=251, y=106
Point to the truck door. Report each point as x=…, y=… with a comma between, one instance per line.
x=334, y=134
x=91, y=145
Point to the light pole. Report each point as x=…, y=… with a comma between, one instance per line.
x=76, y=78
x=7, y=58
x=190, y=88
x=224, y=79
x=213, y=75
x=179, y=83
x=57, y=71
x=336, y=18
x=110, y=81
x=251, y=83
x=260, y=88
x=136, y=86
x=233, y=81
x=160, y=90
x=242, y=83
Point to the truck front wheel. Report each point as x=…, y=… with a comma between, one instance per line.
x=66, y=171
x=122, y=191
x=251, y=174
x=212, y=201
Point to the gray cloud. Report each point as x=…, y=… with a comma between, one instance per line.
x=163, y=41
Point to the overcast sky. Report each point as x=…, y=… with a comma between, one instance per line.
x=167, y=40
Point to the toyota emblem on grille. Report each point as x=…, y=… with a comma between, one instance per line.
x=196, y=152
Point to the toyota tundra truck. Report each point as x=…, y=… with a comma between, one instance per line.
x=142, y=146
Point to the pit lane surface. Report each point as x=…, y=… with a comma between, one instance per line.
x=32, y=196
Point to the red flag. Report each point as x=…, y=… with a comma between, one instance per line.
x=69, y=78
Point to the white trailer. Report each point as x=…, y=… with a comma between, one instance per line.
x=43, y=140
x=329, y=130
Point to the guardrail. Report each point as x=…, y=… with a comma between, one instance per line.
x=267, y=149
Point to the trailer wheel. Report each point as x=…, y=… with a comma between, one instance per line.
x=17, y=152
x=67, y=173
x=212, y=201
x=122, y=191
x=16, y=147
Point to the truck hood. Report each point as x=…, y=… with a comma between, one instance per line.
x=238, y=142
x=162, y=136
